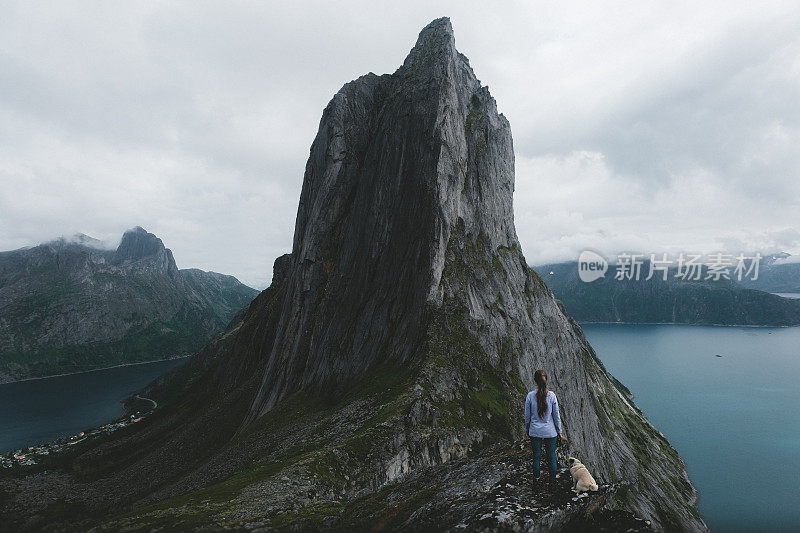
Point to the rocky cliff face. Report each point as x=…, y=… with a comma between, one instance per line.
x=406, y=170
x=378, y=383
x=71, y=305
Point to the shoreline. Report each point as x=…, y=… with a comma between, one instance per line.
x=581, y=322
x=95, y=369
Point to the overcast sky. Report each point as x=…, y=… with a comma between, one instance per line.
x=654, y=127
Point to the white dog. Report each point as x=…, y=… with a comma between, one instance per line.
x=581, y=476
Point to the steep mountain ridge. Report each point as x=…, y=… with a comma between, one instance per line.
x=401, y=334
x=71, y=305
x=384, y=186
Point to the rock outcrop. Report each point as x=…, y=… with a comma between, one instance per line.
x=393, y=350
x=71, y=305
x=405, y=168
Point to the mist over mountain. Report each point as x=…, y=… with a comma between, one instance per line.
x=778, y=273
x=72, y=304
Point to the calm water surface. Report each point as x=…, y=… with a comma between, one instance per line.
x=734, y=419
x=42, y=410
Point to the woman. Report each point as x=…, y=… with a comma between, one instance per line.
x=543, y=423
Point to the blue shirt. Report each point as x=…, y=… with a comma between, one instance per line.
x=550, y=425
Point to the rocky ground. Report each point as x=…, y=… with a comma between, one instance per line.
x=307, y=480
x=493, y=492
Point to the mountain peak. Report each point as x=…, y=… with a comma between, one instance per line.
x=440, y=163
x=436, y=36
x=434, y=51
x=137, y=244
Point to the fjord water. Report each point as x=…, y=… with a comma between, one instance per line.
x=43, y=410
x=735, y=419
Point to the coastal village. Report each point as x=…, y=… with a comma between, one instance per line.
x=33, y=455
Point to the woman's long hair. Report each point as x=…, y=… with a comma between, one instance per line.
x=540, y=377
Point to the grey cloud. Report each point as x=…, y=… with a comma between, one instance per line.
x=194, y=120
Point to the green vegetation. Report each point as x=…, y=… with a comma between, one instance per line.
x=35, y=302
x=474, y=118
x=384, y=391
x=672, y=301
x=487, y=393
x=467, y=253
x=159, y=340
x=130, y=308
x=488, y=396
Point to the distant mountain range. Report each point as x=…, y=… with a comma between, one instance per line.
x=678, y=301
x=71, y=305
x=777, y=273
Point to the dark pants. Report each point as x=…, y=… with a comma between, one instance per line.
x=550, y=443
